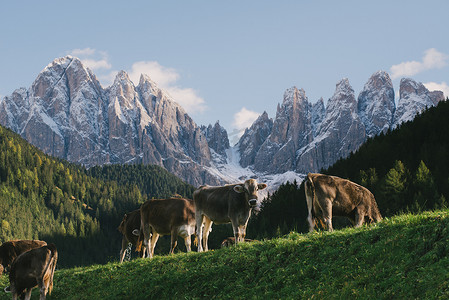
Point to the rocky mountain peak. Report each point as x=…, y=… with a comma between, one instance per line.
x=253, y=138
x=414, y=98
x=217, y=138
x=376, y=104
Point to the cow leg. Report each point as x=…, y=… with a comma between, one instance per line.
x=174, y=240
x=145, y=227
x=43, y=290
x=309, y=199
x=124, y=247
x=206, y=230
x=199, y=230
x=242, y=233
x=188, y=243
x=153, y=242
x=28, y=294
x=327, y=214
x=144, y=251
x=236, y=229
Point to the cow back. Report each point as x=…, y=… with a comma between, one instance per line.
x=219, y=203
x=165, y=214
x=12, y=249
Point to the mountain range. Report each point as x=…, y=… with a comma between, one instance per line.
x=68, y=114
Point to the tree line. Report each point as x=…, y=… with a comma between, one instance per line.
x=407, y=170
x=42, y=197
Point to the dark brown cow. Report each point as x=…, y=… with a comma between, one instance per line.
x=130, y=222
x=329, y=196
x=174, y=216
x=33, y=268
x=11, y=249
x=224, y=204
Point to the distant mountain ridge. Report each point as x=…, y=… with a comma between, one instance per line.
x=68, y=114
x=308, y=137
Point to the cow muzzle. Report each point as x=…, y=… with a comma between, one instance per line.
x=252, y=202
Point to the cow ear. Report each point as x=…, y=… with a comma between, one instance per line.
x=239, y=189
x=261, y=186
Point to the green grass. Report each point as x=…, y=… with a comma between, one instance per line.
x=403, y=257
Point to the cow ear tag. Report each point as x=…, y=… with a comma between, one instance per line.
x=239, y=189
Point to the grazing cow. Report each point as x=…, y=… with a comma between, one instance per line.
x=174, y=216
x=33, y=268
x=230, y=241
x=224, y=204
x=130, y=222
x=329, y=196
x=11, y=249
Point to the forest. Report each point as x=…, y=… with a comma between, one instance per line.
x=407, y=170
x=42, y=197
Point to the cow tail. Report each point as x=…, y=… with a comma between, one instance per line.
x=309, y=188
x=139, y=241
x=51, y=264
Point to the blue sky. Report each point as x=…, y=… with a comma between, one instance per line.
x=230, y=60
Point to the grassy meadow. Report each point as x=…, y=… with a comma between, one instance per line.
x=403, y=257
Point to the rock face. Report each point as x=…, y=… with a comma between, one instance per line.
x=217, y=138
x=376, y=104
x=340, y=132
x=306, y=138
x=414, y=98
x=253, y=138
x=67, y=114
x=291, y=131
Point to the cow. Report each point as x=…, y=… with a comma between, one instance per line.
x=329, y=196
x=33, y=268
x=11, y=249
x=224, y=204
x=174, y=216
x=230, y=241
x=130, y=222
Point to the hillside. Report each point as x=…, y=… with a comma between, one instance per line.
x=42, y=197
x=404, y=257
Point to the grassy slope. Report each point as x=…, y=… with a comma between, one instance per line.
x=405, y=256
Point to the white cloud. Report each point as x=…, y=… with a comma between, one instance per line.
x=433, y=86
x=433, y=59
x=166, y=78
x=244, y=118
x=163, y=76
x=188, y=99
x=93, y=59
x=82, y=52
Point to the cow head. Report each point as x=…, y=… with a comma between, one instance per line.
x=250, y=188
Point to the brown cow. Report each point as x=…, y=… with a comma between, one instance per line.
x=174, y=216
x=224, y=204
x=130, y=222
x=329, y=196
x=33, y=268
x=11, y=249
